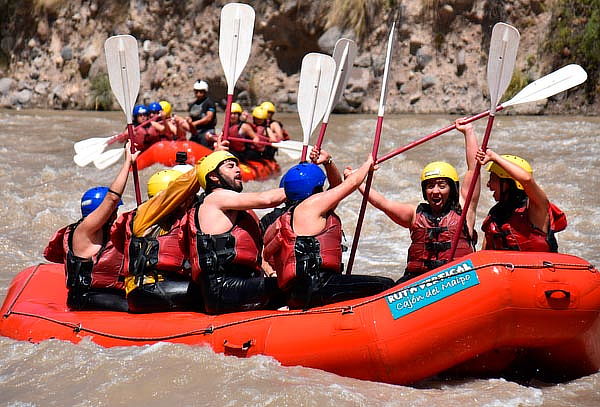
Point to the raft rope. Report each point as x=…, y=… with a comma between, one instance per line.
x=330, y=310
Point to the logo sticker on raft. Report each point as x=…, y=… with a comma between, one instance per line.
x=434, y=288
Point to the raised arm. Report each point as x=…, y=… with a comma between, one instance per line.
x=321, y=203
x=538, y=200
x=230, y=200
x=89, y=234
x=471, y=147
x=320, y=156
x=401, y=213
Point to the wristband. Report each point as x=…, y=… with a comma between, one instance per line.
x=329, y=161
x=114, y=192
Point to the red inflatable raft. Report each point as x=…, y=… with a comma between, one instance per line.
x=164, y=153
x=489, y=313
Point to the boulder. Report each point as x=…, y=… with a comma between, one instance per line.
x=414, y=45
x=428, y=81
x=445, y=17
x=66, y=53
x=415, y=97
x=359, y=79
x=6, y=84
x=23, y=97
x=423, y=58
x=328, y=39
x=160, y=52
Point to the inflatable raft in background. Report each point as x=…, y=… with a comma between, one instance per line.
x=164, y=152
x=486, y=314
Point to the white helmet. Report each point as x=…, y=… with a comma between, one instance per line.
x=201, y=85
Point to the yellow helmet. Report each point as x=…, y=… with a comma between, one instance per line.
x=236, y=108
x=166, y=107
x=499, y=171
x=259, y=112
x=268, y=106
x=439, y=169
x=161, y=180
x=211, y=162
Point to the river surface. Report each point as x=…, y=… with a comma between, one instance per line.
x=41, y=188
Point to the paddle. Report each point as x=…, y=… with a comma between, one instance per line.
x=378, y=128
x=108, y=158
x=343, y=55
x=503, y=54
x=316, y=78
x=291, y=148
x=235, y=43
x=98, y=144
x=123, y=64
x=549, y=85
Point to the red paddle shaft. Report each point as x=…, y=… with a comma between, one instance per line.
x=227, y=116
x=433, y=135
x=321, y=135
x=363, y=205
x=476, y=175
x=136, y=178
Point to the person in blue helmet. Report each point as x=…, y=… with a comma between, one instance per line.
x=334, y=178
x=140, y=114
x=93, y=263
x=304, y=244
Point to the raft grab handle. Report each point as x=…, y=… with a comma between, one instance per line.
x=558, y=294
x=238, y=347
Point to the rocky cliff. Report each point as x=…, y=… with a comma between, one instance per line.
x=51, y=51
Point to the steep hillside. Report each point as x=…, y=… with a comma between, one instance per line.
x=51, y=51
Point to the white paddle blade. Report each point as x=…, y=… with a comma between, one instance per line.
x=83, y=159
x=501, y=63
x=235, y=40
x=96, y=143
x=343, y=55
x=288, y=145
x=316, y=79
x=108, y=158
x=123, y=64
x=386, y=71
x=565, y=78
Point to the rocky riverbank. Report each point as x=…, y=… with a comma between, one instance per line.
x=52, y=52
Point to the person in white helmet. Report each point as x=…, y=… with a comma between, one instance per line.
x=203, y=115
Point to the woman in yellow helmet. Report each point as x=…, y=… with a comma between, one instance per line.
x=276, y=127
x=524, y=218
x=433, y=224
x=240, y=129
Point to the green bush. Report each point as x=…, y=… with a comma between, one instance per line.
x=101, y=92
x=575, y=37
x=518, y=81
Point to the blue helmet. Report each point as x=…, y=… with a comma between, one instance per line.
x=92, y=198
x=154, y=107
x=139, y=109
x=300, y=181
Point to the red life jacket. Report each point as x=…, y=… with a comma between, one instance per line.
x=286, y=135
x=103, y=270
x=261, y=132
x=236, y=251
x=236, y=146
x=284, y=250
x=432, y=240
x=154, y=253
x=517, y=233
